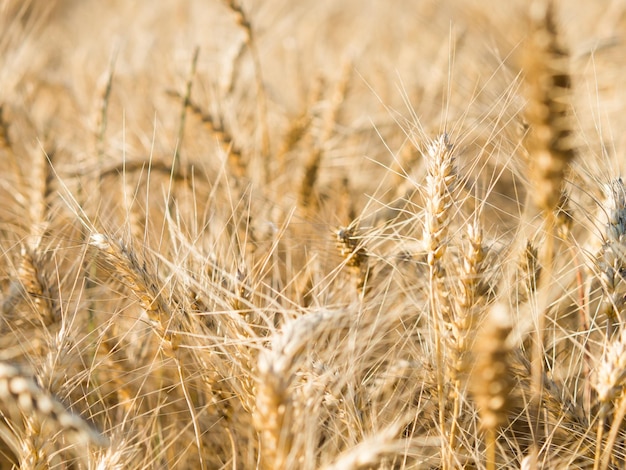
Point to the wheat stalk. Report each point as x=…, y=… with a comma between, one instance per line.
x=440, y=185
x=549, y=143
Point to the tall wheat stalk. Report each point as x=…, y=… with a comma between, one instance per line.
x=439, y=190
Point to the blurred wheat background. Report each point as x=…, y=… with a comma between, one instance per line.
x=312, y=234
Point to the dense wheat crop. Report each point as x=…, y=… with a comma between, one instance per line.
x=302, y=234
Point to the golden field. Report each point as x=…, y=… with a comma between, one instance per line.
x=312, y=234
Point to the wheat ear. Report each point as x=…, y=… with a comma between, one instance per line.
x=276, y=413
x=160, y=311
x=352, y=249
x=30, y=272
x=20, y=391
x=440, y=185
x=183, y=114
x=549, y=143
x=471, y=295
x=104, y=89
x=299, y=127
x=237, y=164
x=369, y=453
x=529, y=273
x=314, y=160
x=250, y=39
x=550, y=148
x=141, y=282
x=610, y=383
x=492, y=380
x=611, y=260
x=6, y=145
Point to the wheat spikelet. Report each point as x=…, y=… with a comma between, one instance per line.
x=34, y=454
x=141, y=282
x=471, y=279
x=115, y=457
x=22, y=392
x=611, y=266
x=549, y=142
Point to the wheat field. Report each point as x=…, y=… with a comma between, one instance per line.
x=311, y=234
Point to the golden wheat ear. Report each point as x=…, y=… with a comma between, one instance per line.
x=550, y=147
x=548, y=111
x=610, y=259
x=492, y=380
x=440, y=186
x=351, y=247
x=18, y=391
x=610, y=382
x=439, y=191
x=243, y=20
x=5, y=140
